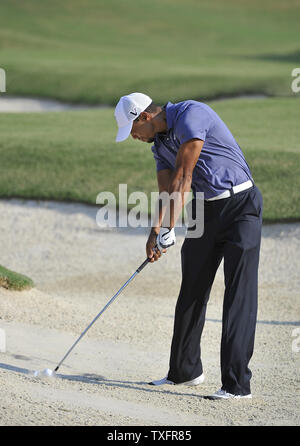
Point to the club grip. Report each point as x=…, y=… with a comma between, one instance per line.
x=142, y=266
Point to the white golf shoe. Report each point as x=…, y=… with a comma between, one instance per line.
x=193, y=382
x=222, y=394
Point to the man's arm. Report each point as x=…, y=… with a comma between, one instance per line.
x=163, y=181
x=178, y=180
x=181, y=179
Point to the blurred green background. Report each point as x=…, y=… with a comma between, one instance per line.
x=94, y=51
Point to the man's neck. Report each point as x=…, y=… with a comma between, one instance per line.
x=161, y=122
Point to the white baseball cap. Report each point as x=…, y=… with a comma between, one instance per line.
x=127, y=110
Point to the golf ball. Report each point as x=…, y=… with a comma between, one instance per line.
x=47, y=372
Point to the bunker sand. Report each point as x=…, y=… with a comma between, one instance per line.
x=77, y=267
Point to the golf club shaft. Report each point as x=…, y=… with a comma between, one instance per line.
x=139, y=269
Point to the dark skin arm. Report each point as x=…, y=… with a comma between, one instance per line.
x=177, y=180
x=163, y=179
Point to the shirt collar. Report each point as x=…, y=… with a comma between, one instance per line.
x=169, y=109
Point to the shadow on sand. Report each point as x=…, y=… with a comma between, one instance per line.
x=89, y=378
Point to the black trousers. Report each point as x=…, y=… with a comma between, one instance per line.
x=232, y=230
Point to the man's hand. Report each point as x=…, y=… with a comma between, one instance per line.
x=151, y=247
x=165, y=238
x=158, y=242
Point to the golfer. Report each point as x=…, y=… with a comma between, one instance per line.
x=194, y=149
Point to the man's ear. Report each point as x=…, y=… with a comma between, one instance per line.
x=144, y=116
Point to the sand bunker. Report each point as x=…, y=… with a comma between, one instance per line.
x=77, y=267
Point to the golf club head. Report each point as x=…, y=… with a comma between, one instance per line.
x=47, y=373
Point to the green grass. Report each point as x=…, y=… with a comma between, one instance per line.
x=14, y=281
x=73, y=156
x=97, y=50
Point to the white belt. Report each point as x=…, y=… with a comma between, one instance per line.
x=234, y=190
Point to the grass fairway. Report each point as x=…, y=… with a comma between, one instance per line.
x=73, y=156
x=14, y=281
x=97, y=50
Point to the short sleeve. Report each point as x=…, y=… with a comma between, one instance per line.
x=194, y=122
x=161, y=164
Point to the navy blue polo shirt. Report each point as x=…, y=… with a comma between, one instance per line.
x=221, y=163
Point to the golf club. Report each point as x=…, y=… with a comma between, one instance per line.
x=49, y=372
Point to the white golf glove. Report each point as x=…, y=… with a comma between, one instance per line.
x=165, y=238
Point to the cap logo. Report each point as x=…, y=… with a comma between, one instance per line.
x=134, y=113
